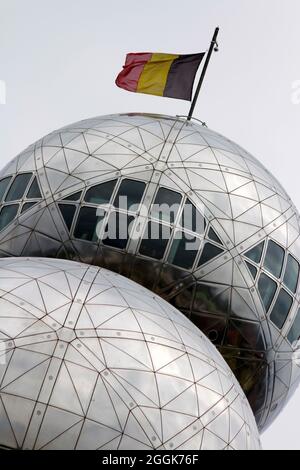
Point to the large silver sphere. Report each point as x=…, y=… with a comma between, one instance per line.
x=239, y=284
x=92, y=360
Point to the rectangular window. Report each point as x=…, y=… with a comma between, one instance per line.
x=281, y=308
x=291, y=274
x=267, y=288
x=184, y=250
x=3, y=186
x=7, y=215
x=129, y=195
x=274, y=259
x=100, y=194
x=166, y=205
x=117, y=230
x=88, y=224
x=155, y=240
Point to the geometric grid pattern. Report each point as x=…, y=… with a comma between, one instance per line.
x=77, y=208
x=277, y=275
x=95, y=361
x=239, y=199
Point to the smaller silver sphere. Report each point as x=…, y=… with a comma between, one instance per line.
x=91, y=360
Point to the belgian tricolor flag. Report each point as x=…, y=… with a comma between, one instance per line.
x=160, y=74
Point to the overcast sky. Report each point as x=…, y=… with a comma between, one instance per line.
x=59, y=59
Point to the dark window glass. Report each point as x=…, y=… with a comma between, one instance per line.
x=294, y=333
x=209, y=252
x=213, y=236
x=7, y=214
x=132, y=192
x=18, y=187
x=184, y=250
x=155, y=240
x=27, y=206
x=3, y=186
x=281, y=308
x=86, y=226
x=166, y=205
x=267, y=288
x=34, y=191
x=252, y=270
x=191, y=219
x=117, y=230
x=255, y=253
x=73, y=197
x=67, y=211
x=291, y=274
x=274, y=258
x=100, y=194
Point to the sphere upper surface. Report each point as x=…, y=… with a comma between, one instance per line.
x=92, y=360
x=240, y=283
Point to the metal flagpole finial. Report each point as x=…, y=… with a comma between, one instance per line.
x=214, y=46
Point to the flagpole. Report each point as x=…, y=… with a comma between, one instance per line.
x=213, y=46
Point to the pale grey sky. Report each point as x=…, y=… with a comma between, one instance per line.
x=59, y=59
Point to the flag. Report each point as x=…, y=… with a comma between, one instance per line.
x=160, y=74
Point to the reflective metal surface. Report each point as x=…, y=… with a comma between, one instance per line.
x=92, y=360
x=239, y=285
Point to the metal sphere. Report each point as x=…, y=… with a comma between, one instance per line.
x=239, y=284
x=92, y=360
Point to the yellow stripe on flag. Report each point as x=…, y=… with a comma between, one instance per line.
x=155, y=73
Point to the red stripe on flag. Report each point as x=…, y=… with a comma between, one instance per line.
x=128, y=78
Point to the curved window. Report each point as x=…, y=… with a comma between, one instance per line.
x=3, y=186
x=18, y=187
x=291, y=274
x=281, y=308
x=274, y=259
x=294, y=333
x=7, y=214
x=155, y=240
x=117, y=230
x=87, y=224
x=166, y=205
x=100, y=194
x=267, y=288
x=184, y=250
x=129, y=195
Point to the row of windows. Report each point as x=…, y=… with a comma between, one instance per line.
x=160, y=240
x=272, y=259
x=273, y=262
x=17, y=195
x=166, y=206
